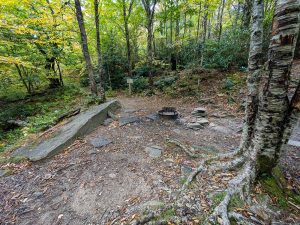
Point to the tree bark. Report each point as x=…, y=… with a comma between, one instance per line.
x=274, y=107
x=220, y=22
x=254, y=72
x=85, y=49
x=126, y=16
x=99, y=56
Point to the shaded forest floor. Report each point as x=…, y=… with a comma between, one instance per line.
x=119, y=182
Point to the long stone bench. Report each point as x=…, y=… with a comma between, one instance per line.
x=81, y=125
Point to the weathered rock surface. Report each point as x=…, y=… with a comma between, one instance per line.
x=186, y=170
x=153, y=116
x=82, y=124
x=154, y=151
x=126, y=120
x=100, y=142
x=200, y=123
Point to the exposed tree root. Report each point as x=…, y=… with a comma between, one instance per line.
x=188, y=150
x=239, y=185
x=204, y=165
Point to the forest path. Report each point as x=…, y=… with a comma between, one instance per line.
x=87, y=185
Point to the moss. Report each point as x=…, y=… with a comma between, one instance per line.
x=236, y=202
x=168, y=214
x=270, y=185
x=217, y=198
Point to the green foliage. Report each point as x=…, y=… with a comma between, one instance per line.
x=140, y=84
x=230, y=52
x=38, y=111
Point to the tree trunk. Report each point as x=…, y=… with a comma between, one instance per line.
x=85, y=49
x=220, y=22
x=254, y=67
x=99, y=56
x=127, y=37
x=274, y=107
x=149, y=7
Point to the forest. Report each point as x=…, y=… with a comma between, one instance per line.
x=87, y=84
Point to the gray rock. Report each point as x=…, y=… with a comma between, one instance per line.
x=112, y=115
x=107, y=121
x=203, y=121
x=294, y=143
x=199, y=112
x=126, y=120
x=154, y=151
x=186, y=170
x=81, y=125
x=100, y=142
x=194, y=126
x=112, y=175
x=153, y=116
x=4, y=173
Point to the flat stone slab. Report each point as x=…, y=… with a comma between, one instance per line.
x=294, y=143
x=100, y=142
x=126, y=120
x=154, y=151
x=81, y=125
x=153, y=116
x=199, y=112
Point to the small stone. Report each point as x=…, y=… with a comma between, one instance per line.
x=203, y=121
x=199, y=112
x=177, y=131
x=126, y=120
x=112, y=175
x=194, y=126
x=107, y=121
x=186, y=170
x=4, y=173
x=100, y=142
x=154, y=151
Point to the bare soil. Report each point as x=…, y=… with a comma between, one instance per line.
x=118, y=182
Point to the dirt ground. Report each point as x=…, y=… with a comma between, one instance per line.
x=118, y=182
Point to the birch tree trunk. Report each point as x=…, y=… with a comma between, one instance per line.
x=84, y=46
x=99, y=57
x=254, y=72
x=275, y=109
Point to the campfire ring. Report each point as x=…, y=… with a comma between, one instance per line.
x=168, y=113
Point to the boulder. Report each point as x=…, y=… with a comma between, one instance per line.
x=81, y=125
